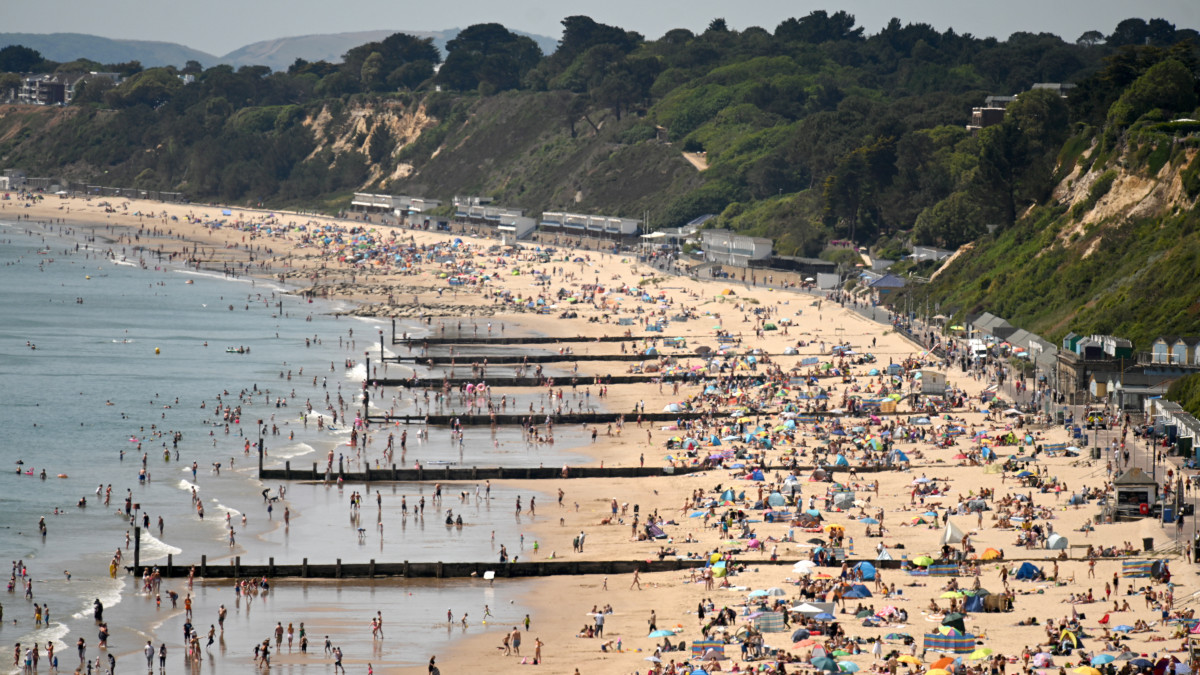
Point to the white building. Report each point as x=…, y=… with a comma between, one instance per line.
x=727, y=248
x=397, y=205
x=584, y=225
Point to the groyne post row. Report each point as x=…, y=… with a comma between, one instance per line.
x=234, y=569
x=475, y=473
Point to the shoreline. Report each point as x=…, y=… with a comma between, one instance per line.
x=558, y=602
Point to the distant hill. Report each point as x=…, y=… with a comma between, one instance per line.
x=280, y=53
x=277, y=54
x=65, y=47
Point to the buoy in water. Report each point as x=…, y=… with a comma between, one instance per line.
x=156, y=350
x=88, y=277
x=62, y=475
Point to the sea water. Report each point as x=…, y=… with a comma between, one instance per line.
x=103, y=360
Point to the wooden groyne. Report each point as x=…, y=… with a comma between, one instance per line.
x=529, y=381
x=465, y=360
x=450, y=472
x=532, y=418
x=234, y=569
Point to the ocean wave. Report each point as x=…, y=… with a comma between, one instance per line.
x=258, y=283
x=226, y=509
x=153, y=548
x=292, y=450
x=358, y=373
x=125, y=263
x=185, y=485
x=108, y=597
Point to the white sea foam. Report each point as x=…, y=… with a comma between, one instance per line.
x=292, y=450
x=358, y=373
x=226, y=509
x=185, y=485
x=108, y=597
x=258, y=283
x=153, y=548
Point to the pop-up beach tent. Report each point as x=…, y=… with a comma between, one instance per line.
x=1028, y=572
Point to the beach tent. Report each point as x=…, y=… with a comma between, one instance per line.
x=859, y=591
x=1028, y=571
x=841, y=461
x=867, y=569
x=955, y=620
x=884, y=555
x=728, y=496
x=974, y=603
x=776, y=499
x=1056, y=542
x=951, y=535
x=757, y=474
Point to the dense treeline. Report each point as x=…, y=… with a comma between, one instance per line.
x=810, y=131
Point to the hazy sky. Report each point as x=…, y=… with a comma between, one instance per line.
x=220, y=26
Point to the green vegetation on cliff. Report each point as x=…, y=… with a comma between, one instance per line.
x=810, y=131
x=1116, y=247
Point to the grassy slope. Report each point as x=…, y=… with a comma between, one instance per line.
x=1137, y=277
x=517, y=147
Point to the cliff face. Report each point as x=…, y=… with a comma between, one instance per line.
x=1116, y=248
x=378, y=130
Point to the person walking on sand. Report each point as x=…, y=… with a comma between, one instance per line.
x=636, y=581
x=516, y=641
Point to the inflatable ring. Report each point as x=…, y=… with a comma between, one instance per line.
x=1144, y=509
x=62, y=475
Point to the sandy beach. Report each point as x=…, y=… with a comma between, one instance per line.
x=787, y=379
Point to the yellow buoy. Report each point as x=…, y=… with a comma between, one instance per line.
x=156, y=350
x=88, y=277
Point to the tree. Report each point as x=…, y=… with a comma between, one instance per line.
x=19, y=59
x=371, y=73
x=193, y=67
x=1168, y=85
x=951, y=222
x=1016, y=157
x=10, y=83
x=818, y=27
x=1090, y=38
x=487, y=56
